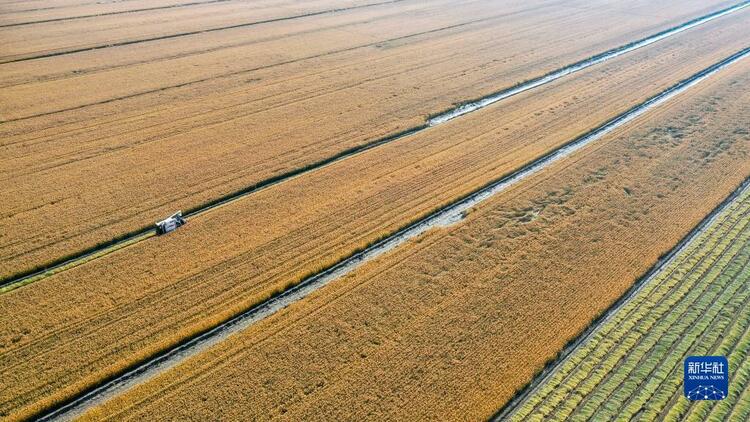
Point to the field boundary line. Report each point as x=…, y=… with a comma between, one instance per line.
x=730, y=9
x=142, y=371
x=252, y=69
x=505, y=412
x=81, y=256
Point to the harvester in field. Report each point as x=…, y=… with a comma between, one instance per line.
x=170, y=223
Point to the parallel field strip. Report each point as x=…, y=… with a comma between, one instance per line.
x=683, y=252
x=653, y=280
x=189, y=33
x=103, y=227
x=683, y=306
x=684, y=281
x=147, y=9
x=443, y=217
x=301, y=250
x=260, y=67
x=130, y=238
x=465, y=103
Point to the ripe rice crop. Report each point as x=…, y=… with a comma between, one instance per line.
x=632, y=365
x=83, y=325
x=101, y=143
x=96, y=24
x=448, y=327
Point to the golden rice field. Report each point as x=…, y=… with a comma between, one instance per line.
x=163, y=290
x=450, y=326
x=116, y=113
x=105, y=141
x=697, y=305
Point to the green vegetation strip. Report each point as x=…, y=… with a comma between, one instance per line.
x=631, y=367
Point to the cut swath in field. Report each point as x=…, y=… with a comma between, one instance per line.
x=632, y=364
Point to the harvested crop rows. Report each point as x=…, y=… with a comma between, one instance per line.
x=632, y=365
x=176, y=123
x=451, y=325
x=82, y=329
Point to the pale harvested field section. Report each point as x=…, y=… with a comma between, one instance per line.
x=25, y=12
x=323, y=84
x=29, y=41
x=449, y=326
x=79, y=326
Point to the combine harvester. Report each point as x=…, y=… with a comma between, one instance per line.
x=170, y=223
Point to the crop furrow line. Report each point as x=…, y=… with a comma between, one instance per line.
x=445, y=216
x=694, y=248
x=225, y=46
x=686, y=297
x=674, y=399
x=40, y=9
x=720, y=340
x=507, y=410
x=714, y=346
x=259, y=68
x=106, y=247
x=742, y=348
x=196, y=32
x=96, y=15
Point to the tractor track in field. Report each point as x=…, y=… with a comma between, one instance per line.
x=196, y=32
x=506, y=411
x=122, y=12
x=448, y=215
x=82, y=256
x=463, y=107
x=226, y=46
